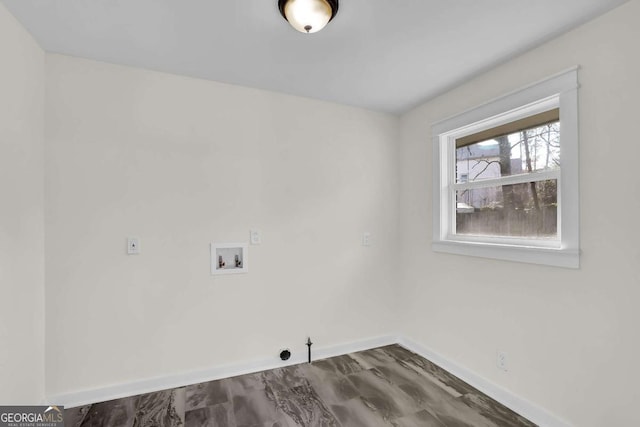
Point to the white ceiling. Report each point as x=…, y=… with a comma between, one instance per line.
x=386, y=55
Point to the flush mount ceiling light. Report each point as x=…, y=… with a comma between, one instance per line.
x=308, y=16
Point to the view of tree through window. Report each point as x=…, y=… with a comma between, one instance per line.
x=507, y=185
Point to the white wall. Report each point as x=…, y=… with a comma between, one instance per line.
x=180, y=163
x=571, y=335
x=21, y=215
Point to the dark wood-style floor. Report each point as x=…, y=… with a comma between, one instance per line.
x=387, y=386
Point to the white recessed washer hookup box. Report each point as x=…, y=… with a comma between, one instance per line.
x=229, y=258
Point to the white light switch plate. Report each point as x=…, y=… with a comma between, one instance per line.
x=133, y=246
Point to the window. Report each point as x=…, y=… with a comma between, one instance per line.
x=506, y=177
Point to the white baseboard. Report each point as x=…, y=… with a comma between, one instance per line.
x=86, y=397
x=517, y=404
x=521, y=406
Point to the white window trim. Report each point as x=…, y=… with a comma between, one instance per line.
x=560, y=90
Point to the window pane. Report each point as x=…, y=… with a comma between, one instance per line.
x=531, y=150
x=521, y=210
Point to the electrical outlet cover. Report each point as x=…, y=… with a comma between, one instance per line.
x=366, y=238
x=255, y=237
x=501, y=361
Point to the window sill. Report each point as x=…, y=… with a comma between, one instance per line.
x=567, y=258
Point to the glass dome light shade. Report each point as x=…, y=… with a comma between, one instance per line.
x=308, y=16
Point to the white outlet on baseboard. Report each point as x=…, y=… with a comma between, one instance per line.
x=501, y=361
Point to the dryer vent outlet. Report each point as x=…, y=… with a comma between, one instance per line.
x=285, y=354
